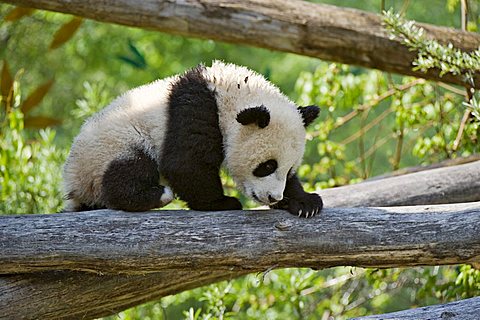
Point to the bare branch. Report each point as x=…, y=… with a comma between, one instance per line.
x=326, y=32
x=441, y=185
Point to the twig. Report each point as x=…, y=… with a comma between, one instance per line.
x=398, y=149
x=369, y=126
x=341, y=121
x=456, y=143
x=404, y=8
x=452, y=89
x=464, y=13
x=374, y=148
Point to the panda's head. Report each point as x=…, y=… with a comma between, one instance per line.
x=267, y=146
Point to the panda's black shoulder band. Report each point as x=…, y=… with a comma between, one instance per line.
x=258, y=115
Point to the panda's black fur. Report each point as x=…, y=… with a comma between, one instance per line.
x=191, y=155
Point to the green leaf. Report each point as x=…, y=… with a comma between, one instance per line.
x=139, y=57
x=131, y=62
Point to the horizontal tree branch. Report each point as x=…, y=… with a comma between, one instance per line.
x=86, y=295
x=441, y=164
x=460, y=183
x=161, y=253
x=467, y=309
x=317, y=30
x=114, y=242
x=71, y=295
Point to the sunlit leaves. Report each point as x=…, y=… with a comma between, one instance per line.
x=430, y=53
x=29, y=169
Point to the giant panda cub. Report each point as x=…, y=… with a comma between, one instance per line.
x=171, y=137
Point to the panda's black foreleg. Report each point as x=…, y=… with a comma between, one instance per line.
x=201, y=189
x=132, y=184
x=297, y=201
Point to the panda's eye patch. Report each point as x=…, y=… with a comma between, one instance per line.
x=265, y=168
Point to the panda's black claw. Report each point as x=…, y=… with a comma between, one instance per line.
x=305, y=206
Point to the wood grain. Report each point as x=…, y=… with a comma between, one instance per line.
x=468, y=309
x=454, y=184
x=130, y=258
x=115, y=242
x=358, y=236
x=317, y=30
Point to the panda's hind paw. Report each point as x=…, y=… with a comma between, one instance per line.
x=305, y=206
x=167, y=197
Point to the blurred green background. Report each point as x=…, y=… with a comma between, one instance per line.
x=404, y=122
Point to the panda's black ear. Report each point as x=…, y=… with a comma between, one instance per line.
x=258, y=115
x=309, y=114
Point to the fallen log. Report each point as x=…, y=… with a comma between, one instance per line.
x=441, y=164
x=317, y=30
x=130, y=258
x=87, y=295
x=454, y=184
x=117, y=242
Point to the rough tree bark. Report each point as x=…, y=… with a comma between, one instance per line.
x=441, y=164
x=441, y=185
x=114, y=242
x=467, y=309
x=316, y=30
x=150, y=255
x=72, y=294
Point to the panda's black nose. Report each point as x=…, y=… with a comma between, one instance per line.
x=272, y=199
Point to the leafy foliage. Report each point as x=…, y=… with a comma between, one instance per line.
x=370, y=123
x=431, y=54
x=29, y=167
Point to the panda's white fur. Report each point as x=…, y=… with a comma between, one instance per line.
x=105, y=135
x=247, y=146
x=140, y=117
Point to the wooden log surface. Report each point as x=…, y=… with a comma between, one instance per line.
x=80, y=295
x=317, y=30
x=87, y=295
x=468, y=309
x=441, y=164
x=114, y=242
x=459, y=183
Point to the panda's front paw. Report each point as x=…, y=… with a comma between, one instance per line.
x=306, y=205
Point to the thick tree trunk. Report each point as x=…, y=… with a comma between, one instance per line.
x=468, y=309
x=322, y=31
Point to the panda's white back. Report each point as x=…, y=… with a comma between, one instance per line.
x=136, y=118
